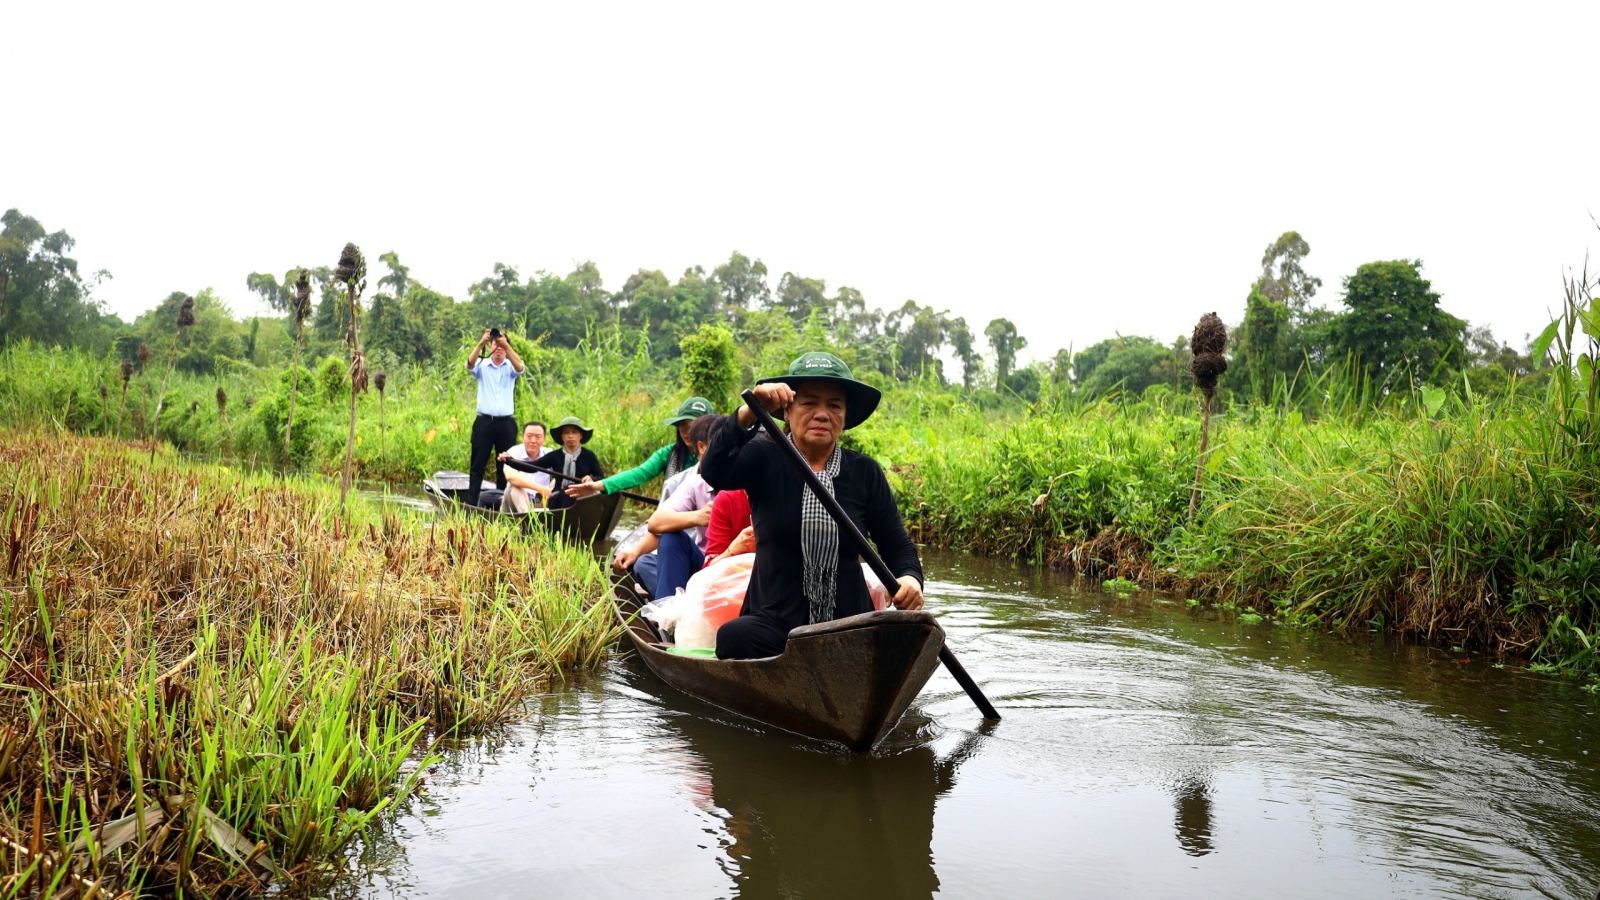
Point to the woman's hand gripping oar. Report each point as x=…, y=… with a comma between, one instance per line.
x=848, y=527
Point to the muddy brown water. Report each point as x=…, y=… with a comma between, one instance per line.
x=1146, y=751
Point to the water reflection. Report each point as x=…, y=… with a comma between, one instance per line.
x=1191, y=797
x=804, y=823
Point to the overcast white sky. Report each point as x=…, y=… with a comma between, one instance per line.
x=1081, y=168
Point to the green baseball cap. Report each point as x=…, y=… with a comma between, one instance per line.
x=691, y=409
x=860, y=398
x=573, y=420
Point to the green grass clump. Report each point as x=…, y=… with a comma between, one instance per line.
x=213, y=680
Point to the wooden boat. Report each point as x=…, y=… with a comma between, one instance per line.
x=587, y=521
x=847, y=681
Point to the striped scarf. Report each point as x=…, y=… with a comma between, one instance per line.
x=819, y=544
x=569, y=465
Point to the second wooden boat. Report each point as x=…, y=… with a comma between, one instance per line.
x=847, y=681
x=587, y=521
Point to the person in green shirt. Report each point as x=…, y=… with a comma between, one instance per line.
x=666, y=462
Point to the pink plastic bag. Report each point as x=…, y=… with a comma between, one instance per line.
x=718, y=589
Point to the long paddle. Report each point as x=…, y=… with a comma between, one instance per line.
x=847, y=526
x=521, y=466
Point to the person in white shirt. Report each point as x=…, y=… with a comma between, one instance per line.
x=526, y=490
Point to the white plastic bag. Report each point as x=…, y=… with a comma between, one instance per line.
x=694, y=632
x=666, y=612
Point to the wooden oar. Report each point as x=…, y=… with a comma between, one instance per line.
x=521, y=466
x=847, y=526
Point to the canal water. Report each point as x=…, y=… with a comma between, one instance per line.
x=1147, y=751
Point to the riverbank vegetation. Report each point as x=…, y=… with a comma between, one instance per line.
x=1375, y=464
x=210, y=680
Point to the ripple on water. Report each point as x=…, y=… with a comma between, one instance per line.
x=1145, y=752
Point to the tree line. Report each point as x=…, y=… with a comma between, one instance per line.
x=1389, y=326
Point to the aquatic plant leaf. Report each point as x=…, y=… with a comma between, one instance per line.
x=231, y=842
x=1541, y=344
x=1433, y=399
x=117, y=832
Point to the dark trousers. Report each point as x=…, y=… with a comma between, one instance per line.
x=751, y=637
x=679, y=558
x=491, y=436
x=646, y=568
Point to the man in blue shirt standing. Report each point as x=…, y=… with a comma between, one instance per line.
x=495, y=429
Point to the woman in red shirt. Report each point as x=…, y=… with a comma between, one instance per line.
x=729, y=532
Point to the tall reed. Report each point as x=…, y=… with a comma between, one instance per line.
x=215, y=680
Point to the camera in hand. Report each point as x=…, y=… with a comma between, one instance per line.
x=494, y=334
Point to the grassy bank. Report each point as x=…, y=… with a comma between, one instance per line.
x=1473, y=525
x=209, y=680
x=1458, y=518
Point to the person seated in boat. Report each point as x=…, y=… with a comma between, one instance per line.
x=526, y=490
x=729, y=532
x=679, y=523
x=636, y=553
x=805, y=570
x=495, y=429
x=573, y=460
x=666, y=462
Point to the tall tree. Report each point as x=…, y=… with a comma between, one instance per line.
x=918, y=333
x=42, y=296
x=1262, y=341
x=798, y=296
x=398, y=278
x=499, y=301
x=1128, y=363
x=743, y=281
x=1283, y=279
x=278, y=297
x=1005, y=342
x=1393, y=322
x=965, y=344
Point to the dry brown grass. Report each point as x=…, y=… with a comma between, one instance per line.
x=212, y=681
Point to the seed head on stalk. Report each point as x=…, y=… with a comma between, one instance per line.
x=379, y=380
x=184, y=320
x=1208, y=342
x=352, y=273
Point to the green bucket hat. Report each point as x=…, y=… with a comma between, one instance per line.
x=692, y=408
x=573, y=420
x=860, y=398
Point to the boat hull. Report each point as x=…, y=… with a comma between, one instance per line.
x=847, y=681
x=587, y=521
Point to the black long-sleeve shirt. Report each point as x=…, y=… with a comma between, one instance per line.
x=586, y=464
x=735, y=461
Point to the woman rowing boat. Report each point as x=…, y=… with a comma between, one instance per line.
x=804, y=572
